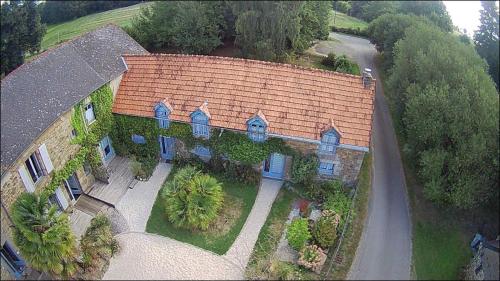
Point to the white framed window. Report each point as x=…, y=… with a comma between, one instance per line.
x=34, y=167
x=37, y=165
x=89, y=113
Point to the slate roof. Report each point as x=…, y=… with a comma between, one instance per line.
x=297, y=102
x=34, y=95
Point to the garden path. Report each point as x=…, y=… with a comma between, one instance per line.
x=150, y=256
x=136, y=204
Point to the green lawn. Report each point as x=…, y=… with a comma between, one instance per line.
x=237, y=194
x=439, y=252
x=344, y=21
x=64, y=31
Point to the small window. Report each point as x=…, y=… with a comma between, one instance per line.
x=53, y=201
x=89, y=113
x=33, y=163
x=328, y=143
x=202, y=151
x=257, y=131
x=138, y=139
x=200, y=126
x=326, y=168
x=74, y=134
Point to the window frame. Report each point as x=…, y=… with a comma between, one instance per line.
x=162, y=114
x=85, y=109
x=32, y=164
x=138, y=139
x=329, y=143
x=199, y=124
x=326, y=168
x=198, y=147
x=256, y=130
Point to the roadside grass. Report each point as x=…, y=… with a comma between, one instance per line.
x=344, y=21
x=314, y=61
x=238, y=201
x=440, y=235
x=270, y=235
x=356, y=224
x=61, y=32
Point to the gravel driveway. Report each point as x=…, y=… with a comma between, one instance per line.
x=150, y=256
x=384, y=251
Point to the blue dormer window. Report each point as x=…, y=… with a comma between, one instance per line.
x=329, y=142
x=162, y=113
x=257, y=129
x=326, y=168
x=200, y=124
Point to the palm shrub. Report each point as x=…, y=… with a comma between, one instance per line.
x=325, y=229
x=192, y=199
x=298, y=233
x=43, y=236
x=98, y=241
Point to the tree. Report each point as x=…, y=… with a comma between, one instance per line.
x=486, y=38
x=42, y=235
x=374, y=9
x=192, y=199
x=183, y=26
x=433, y=10
x=21, y=32
x=449, y=106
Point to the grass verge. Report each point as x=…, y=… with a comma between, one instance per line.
x=440, y=235
x=270, y=235
x=344, y=21
x=358, y=217
x=58, y=33
x=242, y=195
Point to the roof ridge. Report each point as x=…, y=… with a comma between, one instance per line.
x=288, y=65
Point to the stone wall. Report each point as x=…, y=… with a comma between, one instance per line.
x=347, y=165
x=303, y=147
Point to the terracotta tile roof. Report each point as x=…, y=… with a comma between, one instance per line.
x=296, y=101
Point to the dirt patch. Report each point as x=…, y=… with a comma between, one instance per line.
x=228, y=216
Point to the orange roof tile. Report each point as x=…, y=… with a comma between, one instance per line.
x=296, y=101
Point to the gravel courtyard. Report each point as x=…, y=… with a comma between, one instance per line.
x=150, y=256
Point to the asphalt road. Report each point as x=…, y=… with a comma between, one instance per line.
x=384, y=251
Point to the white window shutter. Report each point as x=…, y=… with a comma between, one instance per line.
x=61, y=198
x=28, y=183
x=46, y=158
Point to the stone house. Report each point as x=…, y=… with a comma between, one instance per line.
x=37, y=102
x=313, y=111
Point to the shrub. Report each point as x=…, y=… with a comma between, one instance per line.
x=284, y=271
x=338, y=203
x=354, y=31
x=340, y=64
x=304, y=169
x=325, y=229
x=298, y=233
x=192, y=199
x=241, y=172
x=311, y=257
x=98, y=241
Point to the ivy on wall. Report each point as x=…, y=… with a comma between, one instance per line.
x=236, y=146
x=102, y=100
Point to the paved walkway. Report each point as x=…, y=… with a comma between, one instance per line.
x=150, y=256
x=136, y=204
x=242, y=247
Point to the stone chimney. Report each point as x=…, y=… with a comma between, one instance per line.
x=367, y=78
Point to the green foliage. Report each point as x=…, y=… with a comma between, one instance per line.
x=342, y=6
x=298, y=233
x=21, y=32
x=338, y=202
x=304, y=169
x=386, y=30
x=98, y=241
x=340, y=64
x=185, y=26
x=192, y=199
x=310, y=257
x=449, y=106
x=325, y=229
x=280, y=270
x=486, y=38
x=70, y=167
x=43, y=237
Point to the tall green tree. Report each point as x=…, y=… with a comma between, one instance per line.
x=21, y=32
x=182, y=26
x=42, y=235
x=433, y=10
x=486, y=38
x=450, y=111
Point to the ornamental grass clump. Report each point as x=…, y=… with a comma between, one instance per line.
x=298, y=233
x=192, y=199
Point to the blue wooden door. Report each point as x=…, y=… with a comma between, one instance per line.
x=274, y=166
x=15, y=264
x=73, y=186
x=107, y=149
x=167, y=147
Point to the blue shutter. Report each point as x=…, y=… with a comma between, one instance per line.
x=326, y=168
x=138, y=139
